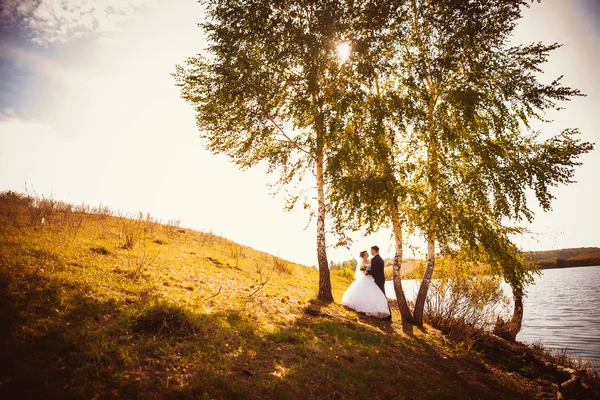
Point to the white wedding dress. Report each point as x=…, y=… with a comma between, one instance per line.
x=363, y=295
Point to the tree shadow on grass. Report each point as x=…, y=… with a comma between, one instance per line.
x=57, y=345
x=320, y=355
x=323, y=356
x=161, y=350
x=42, y=342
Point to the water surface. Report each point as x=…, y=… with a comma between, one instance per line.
x=561, y=310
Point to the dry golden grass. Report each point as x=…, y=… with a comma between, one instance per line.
x=101, y=306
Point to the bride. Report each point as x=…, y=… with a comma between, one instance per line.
x=363, y=295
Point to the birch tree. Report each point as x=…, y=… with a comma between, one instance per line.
x=269, y=88
x=460, y=155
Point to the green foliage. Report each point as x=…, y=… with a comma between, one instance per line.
x=270, y=85
x=270, y=89
x=429, y=116
x=445, y=136
x=350, y=264
x=347, y=273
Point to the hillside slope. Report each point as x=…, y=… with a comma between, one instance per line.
x=574, y=257
x=98, y=306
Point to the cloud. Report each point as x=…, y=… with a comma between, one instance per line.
x=44, y=42
x=46, y=22
x=7, y=114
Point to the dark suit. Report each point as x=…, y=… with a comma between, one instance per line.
x=377, y=266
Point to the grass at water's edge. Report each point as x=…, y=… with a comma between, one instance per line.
x=98, y=306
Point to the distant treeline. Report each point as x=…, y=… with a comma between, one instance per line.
x=563, y=258
x=353, y=263
x=343, y=264
x=410, y=268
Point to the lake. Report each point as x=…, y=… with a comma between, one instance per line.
x=561, y=310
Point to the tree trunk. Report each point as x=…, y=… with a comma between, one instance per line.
x=324, y=278
x=397, y=277
x=510, y=329
x=419, y=310
x=424, y=288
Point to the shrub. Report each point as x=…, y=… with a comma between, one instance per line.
x=236, y=252
x=14, y=200
x=345, y=273
x=389, y=273
x=207, y=239
x=12, y=206
x=102, y=211
x=463, y=303
x=171, y=226
x=41, y=209
x=163, y=319
x=282, y=266
x=141, y=259
x=129, y=239
x=82, y=208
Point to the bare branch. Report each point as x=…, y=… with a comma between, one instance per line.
x=282, y=132
x=216, y=294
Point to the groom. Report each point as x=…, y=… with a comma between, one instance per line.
x=377, y=267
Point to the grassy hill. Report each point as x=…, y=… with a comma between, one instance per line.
x=575, y=257
x=96, y=305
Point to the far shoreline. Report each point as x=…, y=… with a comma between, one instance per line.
x=567, y=266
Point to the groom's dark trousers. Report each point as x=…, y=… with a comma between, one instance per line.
x=377, y=267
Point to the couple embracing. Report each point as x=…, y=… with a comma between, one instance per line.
x=367, y=293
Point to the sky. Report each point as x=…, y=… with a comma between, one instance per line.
x=89, y=112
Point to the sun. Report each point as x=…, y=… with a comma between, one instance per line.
x=343, y=51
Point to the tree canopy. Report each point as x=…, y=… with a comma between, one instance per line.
x=449, y=151
x=426, y=127
x=270, y=88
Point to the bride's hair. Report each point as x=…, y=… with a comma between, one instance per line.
x=362, y=253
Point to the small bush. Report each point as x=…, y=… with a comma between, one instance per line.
x=236, y=252
x=12, y=206
x=74, y=222
x=282, y=266
x=171, y=226
x=130, y=239
x=163, y=319
x=207, y=239
x=10, y=199
x=41, y=211
x=388, y=273
x=102, y=211
x=345, y=273
x=147, y=223
x=463, y=304
x=82, y=208
x=141, y=259
x=130, y=233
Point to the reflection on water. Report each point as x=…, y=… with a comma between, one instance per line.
x=561, y=310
